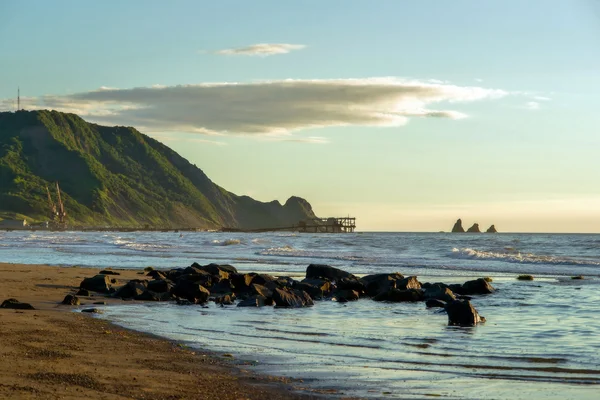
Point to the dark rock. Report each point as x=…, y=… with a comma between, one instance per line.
x=173, y=274
x=149, y=295
x=477, y=286
x=351, y=284
x=216, y=270
x=439, y=292
x=285, y=282
x=291, y=298
x=83, y=292
x=315, y=292
x=16, y=305
x=92, y=310
x=225, y=300
x=160, y=285
x=379, y=283
x=191, y=291
x=200, y=277
x=241, y=282
x=71, y=300
x=474, y=229
x=262, y=290
x=255, y=301
x=223, y=287
x=491, y=229
x=265, y=280
x=410, y=282
x=155, y=274
x=327, y=272
x=397, y=295
x=322, y=284
x=133, y=288
x=458, y=228
x=462, y=313
x=431, y=303
x=98, y=283
x=100, y=303
x=343, y=296
x=109, y=272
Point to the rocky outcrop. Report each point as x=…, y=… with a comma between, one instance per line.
x=327, y=272
x=16, y=305
x=458, y=228
x=70, y=300
x=192, y=292
x=98, y=283
x=462, y=313
x=491, y=229
x=474, y=229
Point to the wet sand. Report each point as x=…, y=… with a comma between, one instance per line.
x=52, y=353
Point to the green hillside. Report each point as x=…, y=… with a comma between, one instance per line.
x=117, y=176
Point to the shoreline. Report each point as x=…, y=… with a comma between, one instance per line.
x=53, y=352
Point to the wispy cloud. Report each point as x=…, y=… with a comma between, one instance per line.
x=532, y=105
x=270, y=107
x=262, y=49
x=168, y=138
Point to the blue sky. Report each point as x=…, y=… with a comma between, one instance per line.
x=406, y=114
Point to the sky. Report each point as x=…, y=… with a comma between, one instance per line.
x=404, y=114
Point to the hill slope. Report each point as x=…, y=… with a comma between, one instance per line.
x=118, y=176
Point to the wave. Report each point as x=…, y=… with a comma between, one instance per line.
x=227, y=242
x=513, y=256
x=289, y=251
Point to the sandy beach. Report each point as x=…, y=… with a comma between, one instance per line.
x=53, y=353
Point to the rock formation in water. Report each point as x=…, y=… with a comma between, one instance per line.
x=491, y=229
x=458, y=228
x=474, y=229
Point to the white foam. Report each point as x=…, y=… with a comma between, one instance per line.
x=513, y=256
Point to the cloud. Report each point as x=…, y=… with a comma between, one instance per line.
x=167, y=138
x=541, y=98
x=532, y=105
x=273, y=108
x=262, y=49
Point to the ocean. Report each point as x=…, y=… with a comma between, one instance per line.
x=541, y=339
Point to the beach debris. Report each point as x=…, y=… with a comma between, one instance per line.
x=474, y=229
x=97, y=283
x=16, y=305
x=525, y=277
x=462, y=313
x=71, y=300
x=491, y=229
x=109, y=272
x=458, y=228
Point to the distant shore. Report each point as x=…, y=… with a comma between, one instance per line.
x=51, y=352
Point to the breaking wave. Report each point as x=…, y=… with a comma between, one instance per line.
x=513, y=256
x=226, y=242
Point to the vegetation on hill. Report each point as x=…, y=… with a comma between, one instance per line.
x=118, y=176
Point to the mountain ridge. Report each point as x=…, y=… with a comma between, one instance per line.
x=119, y=176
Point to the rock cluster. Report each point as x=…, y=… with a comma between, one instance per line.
x=458, y=228
x=224, y=285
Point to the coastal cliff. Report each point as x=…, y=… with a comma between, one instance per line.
x=118, y=176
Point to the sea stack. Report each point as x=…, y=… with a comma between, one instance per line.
x=491, y=229
x=474, y=229
x=458, y=228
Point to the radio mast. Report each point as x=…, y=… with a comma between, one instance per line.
x=18, y=98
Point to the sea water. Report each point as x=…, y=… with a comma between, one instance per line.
x=541, y=338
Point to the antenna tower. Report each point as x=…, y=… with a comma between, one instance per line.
x=18, y=98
